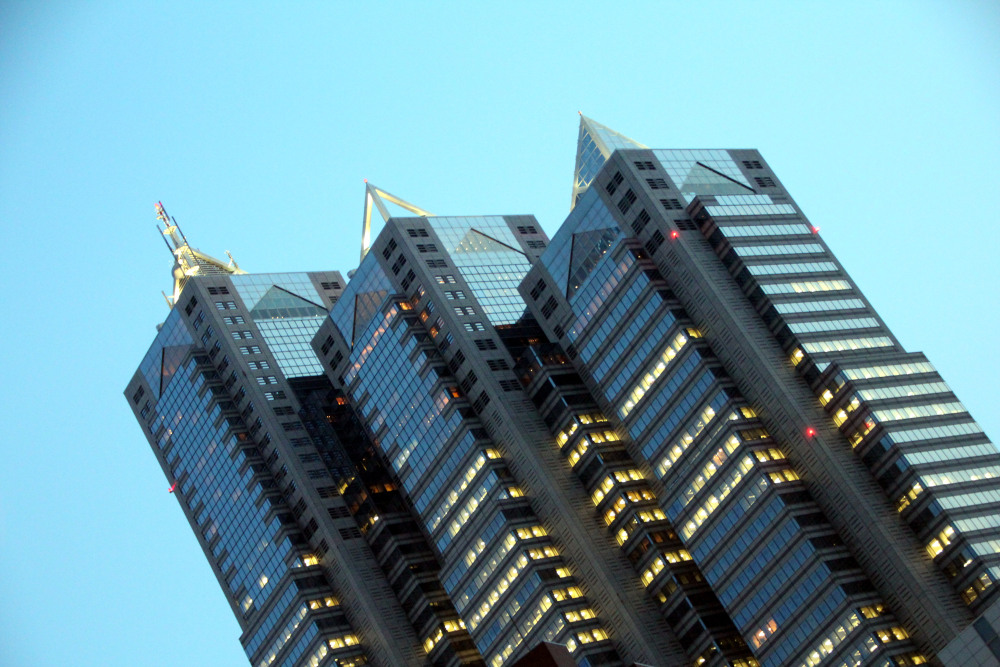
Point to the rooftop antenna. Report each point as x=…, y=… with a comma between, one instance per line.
x=188, y=261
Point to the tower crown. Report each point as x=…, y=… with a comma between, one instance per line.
x=188, y=261
x=595, y=145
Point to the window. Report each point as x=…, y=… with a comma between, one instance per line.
x=752, y=164
x=435, y=263
x=526, y=229
x=258, y=365
x=188, y=309
x=225, y=305
x=139, y=393
x=549, y=307
x=398, y=264
x=485, y=344
x=250, y=349
x=613, y=184
x=327, y=344
x=764, y=181
x=464, y=310
x=474, y=326
x=625, y=203
x=671, y=204
x=657, y=184
x=457, y=294
x=498, y=364
x=267, y=379
x=481, y=402
x=445, y=280
x=389, y=247
x=330, y=285
x=417, y=233
x=198, y=320
x=236, y=319
x=426, y=247
x=274, y=395
x=640, y=222
x=654, y=242
x=408, y=279
x=537, y=290
x=240, y=335
x=645, y=165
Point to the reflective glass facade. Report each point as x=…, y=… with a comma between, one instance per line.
x=288, y=310
x=489, y=257
x=452, y=471
x=675, y=433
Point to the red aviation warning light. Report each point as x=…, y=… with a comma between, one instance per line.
x=815, y=229
x=675, y=234
x=810, y=431
x=171, y=489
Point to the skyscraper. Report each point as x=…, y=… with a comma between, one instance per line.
x=676, y=433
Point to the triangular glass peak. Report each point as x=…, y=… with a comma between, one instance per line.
x=595, y=145
x=379, y=200
x=278, y=303
x=703, y=172
x=702, y=180
x=477, y=241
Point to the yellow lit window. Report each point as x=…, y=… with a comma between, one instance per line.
x=891, y=635
x=566, y=593
x=782, y=476
x=797, y=356
x=908, y=497
x=873, y=611
x=454, y=626
x=943, y=539
x=309, y=560
x=542, y=552
x=341, y=642
x=528, y=533
x=763, y=633
x=575, y=615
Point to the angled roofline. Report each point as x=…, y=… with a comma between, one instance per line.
x=376, y=197
x=596, y=131
x=188, y=261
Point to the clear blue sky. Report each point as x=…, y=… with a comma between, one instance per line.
x=255, y=124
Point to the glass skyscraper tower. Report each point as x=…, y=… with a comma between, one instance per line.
x=674, y=434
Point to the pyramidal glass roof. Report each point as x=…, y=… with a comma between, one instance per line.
x=487, y=253
x=595, y=145
x=253, y=286
x=278, y=303
x=704, y=172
